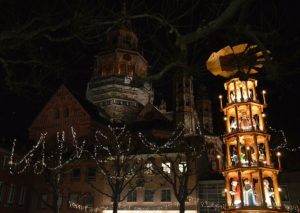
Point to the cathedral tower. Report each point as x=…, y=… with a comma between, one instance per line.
x=118, y=84
x=203, y=108
x=184, y=102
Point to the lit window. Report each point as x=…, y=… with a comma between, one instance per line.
x=149, y=168
x=43, y=201
x=131, y=196
x=149, y=195
x=11, y=194
x=182, y=167
x=22, y=196
x=165, y=195
x=122, y=69
x=166, y=167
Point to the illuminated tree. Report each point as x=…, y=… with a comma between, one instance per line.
x=178, y=163
x=51, y=162
x=115, y=154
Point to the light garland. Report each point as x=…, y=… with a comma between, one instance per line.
x=284, y=145
x=36, y=156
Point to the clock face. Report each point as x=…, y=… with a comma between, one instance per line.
x=127, y=57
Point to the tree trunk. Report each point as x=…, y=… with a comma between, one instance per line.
x=182, y=206
x=115, y=206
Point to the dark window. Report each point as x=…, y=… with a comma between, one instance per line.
x=89, y=200
x=11, y=194
x=66, y=112
x=73, y=199
x=149, y=195
x=22, y=196
x=165, y=195
x=2, y=185
x=56, y=114
x=131, y=196
x=43, y=200
x=76, y=173
x=91, y=173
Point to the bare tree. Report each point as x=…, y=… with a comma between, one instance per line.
x=178, y=163
x=115, y=154
x=52, y=162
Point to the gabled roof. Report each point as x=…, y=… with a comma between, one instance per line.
x=150, y=112
x=60, y=95
x=150, y=118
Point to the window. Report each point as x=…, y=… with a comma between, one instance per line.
x=166, y=167
x=91, y=173
x=122, y=69
x=56, y=114
x=11, y=194
x=66, y=112
x=182, y=167
x=22, y=196
x=149, y=195
x=73, y=198
x=76, y=173
x=165, y=195
x=43, y=200
x=60, y=200
x=89, y=200
x=2, y=185
x=5, y=162
x=131, y=197
x=149, y=169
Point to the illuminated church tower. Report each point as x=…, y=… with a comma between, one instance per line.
x=250, y=175
x=118, y=84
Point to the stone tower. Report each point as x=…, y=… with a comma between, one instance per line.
x=184, y=102
x=203, y=108
x=250, y=175
x=118, y=84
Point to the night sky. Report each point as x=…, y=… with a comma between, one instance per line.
x=46, y=43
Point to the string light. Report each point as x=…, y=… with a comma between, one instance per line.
x=54, y=160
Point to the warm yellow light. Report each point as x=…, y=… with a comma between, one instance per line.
x=263, y=115
x=278, y=154
x=220, y=96
x=218, y=156
x=264, y=92
x=225, y=190
x=279, y=189
x=248, y=148
x=225, y=118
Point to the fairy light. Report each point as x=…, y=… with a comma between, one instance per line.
x=37, y=159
